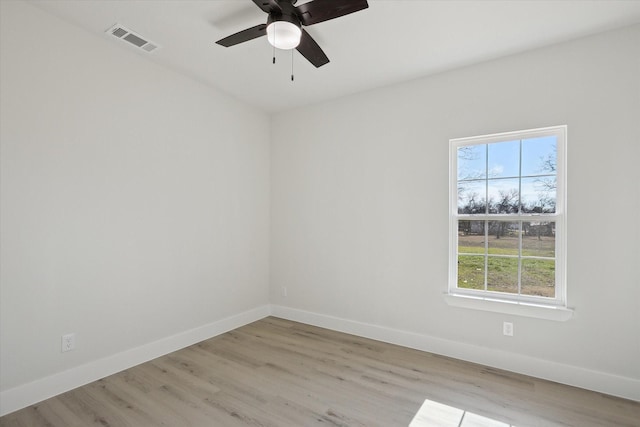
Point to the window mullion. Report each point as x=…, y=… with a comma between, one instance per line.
x=520, y=222
x=486, y=212
x=519, y=257
x=486, y=253
x=550, y=217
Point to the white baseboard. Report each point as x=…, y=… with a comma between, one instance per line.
x=602, y=382
x=27, y=394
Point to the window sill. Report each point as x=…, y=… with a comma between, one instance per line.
x=560, y=314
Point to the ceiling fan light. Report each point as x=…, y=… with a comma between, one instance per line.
x=284, y=35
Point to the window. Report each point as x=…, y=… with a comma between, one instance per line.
x=507, y=217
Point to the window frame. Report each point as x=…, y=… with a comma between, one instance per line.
x=559, y=217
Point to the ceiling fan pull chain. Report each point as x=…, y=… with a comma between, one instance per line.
x=274, y=47
x=291, y=64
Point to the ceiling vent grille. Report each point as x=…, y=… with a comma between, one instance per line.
x=132, y=38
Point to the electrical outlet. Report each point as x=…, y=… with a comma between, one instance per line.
x=68, y=342
x=284, y=291
x=507, y=329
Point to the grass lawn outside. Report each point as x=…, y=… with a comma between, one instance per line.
x=537, y=275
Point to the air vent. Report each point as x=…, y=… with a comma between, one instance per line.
x=132, y=38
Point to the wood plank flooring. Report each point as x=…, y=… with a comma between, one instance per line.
x=280, y=373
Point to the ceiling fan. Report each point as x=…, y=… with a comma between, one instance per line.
x=284, y=25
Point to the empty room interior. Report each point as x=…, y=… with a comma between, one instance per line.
x=419, y=213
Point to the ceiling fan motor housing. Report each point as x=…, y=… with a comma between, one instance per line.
x=288, y=14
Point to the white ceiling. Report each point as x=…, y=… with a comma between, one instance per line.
x=390, y=42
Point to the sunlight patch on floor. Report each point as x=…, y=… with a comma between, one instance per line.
x=433, y=414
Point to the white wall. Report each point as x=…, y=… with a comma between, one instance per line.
x=359, y=209
x=134, y=201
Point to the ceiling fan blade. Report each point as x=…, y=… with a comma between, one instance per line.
x=311, y=50
x=244, y=36
x=267, y=5
x=323, y=10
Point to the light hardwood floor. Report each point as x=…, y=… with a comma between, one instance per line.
x=280, y=373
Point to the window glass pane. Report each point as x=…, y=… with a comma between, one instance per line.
x=539, y=156
x=472, y=197
x=471, y=272
x=539, y=238
x=503, y=196
x=538, y=277
x=504, y=159
x=471, y=237
x=472, y=162
x=504, y=237
x=502, y=274
x=538, y=195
